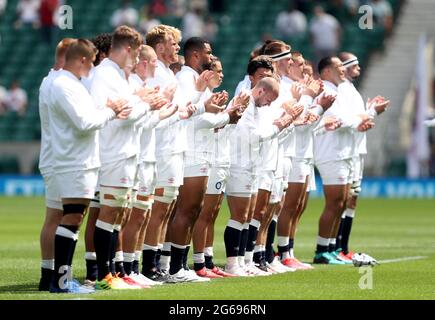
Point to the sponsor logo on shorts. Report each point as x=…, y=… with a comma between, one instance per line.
x=342, y=178
x=248, y=187
x=171, y=180
x=218, y=185
x=123, y=180
x=143, y=189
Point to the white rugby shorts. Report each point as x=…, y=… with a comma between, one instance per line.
x=120, y=173
x=170, y=170
x=52, y=195
x=77, y=184
x=146, y=176
x=336, y=172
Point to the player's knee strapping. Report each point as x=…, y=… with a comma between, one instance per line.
x=169, y=194
x=141, y=204
x=114, y=197
x=74, y=209
x=95, y=203
x=132, y=199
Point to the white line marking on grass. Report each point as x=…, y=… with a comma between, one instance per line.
x=402, y=259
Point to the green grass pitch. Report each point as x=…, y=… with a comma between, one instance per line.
x=385, y=229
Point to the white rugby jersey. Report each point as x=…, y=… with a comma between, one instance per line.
x=243, y=85
x=200, y=134
x=118, y=139
x=247, y=137
x=289, y=142
x=145, y=127
x=304, y=134
x=74, y=121
x=221, y=146
x=338, y=144
x=87, y=81
x=269, y=149
x=45, y=155
x=358, y=107
x=285, y=144
x=171, y=135
x=301, y=144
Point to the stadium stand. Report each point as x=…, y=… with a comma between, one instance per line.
x=26, y=57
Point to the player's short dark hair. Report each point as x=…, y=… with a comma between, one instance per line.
x=193, y=44
x=102, y=42
x=254, y=53
x=259, y=62
x=324, y=63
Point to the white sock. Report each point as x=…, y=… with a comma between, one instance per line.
x=249, y=257
x=208, y=251
x=147, y=247
x=232, y=262
x=119, y=256
x=255, y=223
x=286, y=255
x=47, y=264
x=164, y=262
x=129, y=256
x=91, y=256
x=104, y=225
x=322, y=241
x=241, y=260
x=166, y=246
x=283, y=241
x=198, y=257
x=349, y=213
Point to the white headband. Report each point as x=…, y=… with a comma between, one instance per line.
x=280, y=56
x=350, y=62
